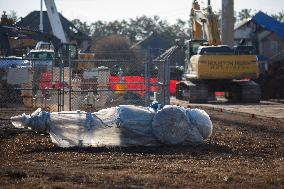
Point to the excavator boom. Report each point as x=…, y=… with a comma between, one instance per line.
x=54, y=20
x=205, y=22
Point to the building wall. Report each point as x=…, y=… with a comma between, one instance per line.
x=245, y=30
x=243, y=33
x=268, y=43
x=272, y=45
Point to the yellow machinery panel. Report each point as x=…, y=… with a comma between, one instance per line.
x=22, y=43
x=225, y=66
x=83, y=63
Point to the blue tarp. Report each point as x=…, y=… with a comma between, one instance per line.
x=6, y=63
x=262, y=58
x=269, y=23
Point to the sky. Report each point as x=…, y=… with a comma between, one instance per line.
x=109, y=10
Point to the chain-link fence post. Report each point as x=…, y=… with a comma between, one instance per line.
x=59, y=99
x=147, y=76
x=62, y=84
x=163, y=81
x=70, y=77
x=167, y=82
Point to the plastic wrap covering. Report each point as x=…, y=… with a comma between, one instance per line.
x=200, y=120
x=38, y=121
x=77, y=129
x=135, y=123
x=137, y=119
x=120, y=126
x=171, y=125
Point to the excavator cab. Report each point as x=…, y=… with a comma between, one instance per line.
x=244, y=50
x=67, y=48
x=67, y=51
x=191, y=48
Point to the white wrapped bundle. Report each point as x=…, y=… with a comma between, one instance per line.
x=177, y=125
x=135, y=125
x=171, y=125
x=38, y=121
x=120, y=126
x=200, y=120
x=135, y=118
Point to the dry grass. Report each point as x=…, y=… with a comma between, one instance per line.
x=243, y=152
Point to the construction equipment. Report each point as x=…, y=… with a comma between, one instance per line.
x=8, y=32
x=216, y=67
x=17, y=44
x=54, y=20
x=205, y=22
x=16, y=41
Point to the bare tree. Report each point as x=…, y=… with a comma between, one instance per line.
x=13, y=16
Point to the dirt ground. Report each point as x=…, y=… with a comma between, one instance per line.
x=267, y=109
x=245, y=151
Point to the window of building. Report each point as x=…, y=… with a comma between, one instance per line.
x=274, y=46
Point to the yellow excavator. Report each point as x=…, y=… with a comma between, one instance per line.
x=212, y=67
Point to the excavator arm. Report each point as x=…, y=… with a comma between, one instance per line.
x=54, y=20
x=197, y=19
x=205, y=22
x=7, y=32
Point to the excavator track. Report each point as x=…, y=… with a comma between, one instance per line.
x=193, y=92
x=251, y=92
x=244, y=91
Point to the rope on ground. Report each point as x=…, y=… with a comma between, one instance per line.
x=5, y=119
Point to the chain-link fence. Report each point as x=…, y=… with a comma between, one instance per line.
x=110, y=78
x=91, y=82
x=26, y=83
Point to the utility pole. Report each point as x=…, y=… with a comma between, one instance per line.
x=227, y=30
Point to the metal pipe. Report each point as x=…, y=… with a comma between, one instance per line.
x=203, y=30
x=168, y=83
x=147, y=76
x=40, y=19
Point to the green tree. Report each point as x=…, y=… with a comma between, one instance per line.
x=245, y=14
x=82, y=26
x=13, y=16
x=139, y=28
x=279, y=16
x=10, y=18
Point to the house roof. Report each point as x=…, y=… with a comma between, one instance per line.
x=269, y=23
x=154, y=41
x=241, y=23
x=32, y=21
x=266, y=22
